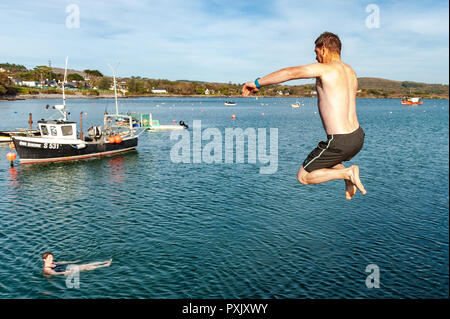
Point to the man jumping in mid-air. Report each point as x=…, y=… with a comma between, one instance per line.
x=336, y=86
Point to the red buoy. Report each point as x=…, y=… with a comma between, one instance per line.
x=111, y=139
x=118, y=139
x=233, y=116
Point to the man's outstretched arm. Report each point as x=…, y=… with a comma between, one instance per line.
x=313, y=70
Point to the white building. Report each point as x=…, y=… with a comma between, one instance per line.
x=29, y=83
x=159, y=91
x=206, y=92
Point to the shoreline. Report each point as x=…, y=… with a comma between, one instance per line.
x=44, y=96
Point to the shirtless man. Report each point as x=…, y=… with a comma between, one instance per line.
x=52, y=267
x=336, y=86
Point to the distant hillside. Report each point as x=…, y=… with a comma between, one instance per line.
x=367, y=87
x=390, y=88
x=69, y=71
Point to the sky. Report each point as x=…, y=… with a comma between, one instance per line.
x=227, y=40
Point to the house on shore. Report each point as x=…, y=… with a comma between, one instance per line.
x=159, y=91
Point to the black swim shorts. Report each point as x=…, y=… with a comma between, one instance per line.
x=336, y=149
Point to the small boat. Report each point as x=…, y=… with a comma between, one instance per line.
x=58, y=140
x=412, y=101
x=295, y=105
x=5, y=136
x=230, y=103
x=146, y=121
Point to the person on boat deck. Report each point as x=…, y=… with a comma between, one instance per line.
x=336, y=86
x=52, y=267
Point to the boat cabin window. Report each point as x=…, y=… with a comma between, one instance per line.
x=66, y=130
x=53, y=130
x=44, y=130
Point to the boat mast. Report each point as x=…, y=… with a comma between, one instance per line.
x=115, y=86
x=63, y=94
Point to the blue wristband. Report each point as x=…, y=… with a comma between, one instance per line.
x=257, y=83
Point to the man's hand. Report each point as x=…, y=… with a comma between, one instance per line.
x=249, y=88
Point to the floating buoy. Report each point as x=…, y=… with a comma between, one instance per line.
x=262, y=114
x=173, y=121
x=233, y=116
x=111, y=139
x=118, y=139
x=11, y=156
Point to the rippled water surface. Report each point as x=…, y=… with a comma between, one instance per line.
x=178, y=230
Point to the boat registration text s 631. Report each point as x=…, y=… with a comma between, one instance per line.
x=52, y=146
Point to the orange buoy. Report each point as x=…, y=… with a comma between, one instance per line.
x=262, y=114
x=111, y=139
x=118, y=139
x=11, y=156
x=173, y=121
x=233, y=116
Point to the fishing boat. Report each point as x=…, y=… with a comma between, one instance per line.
x=58, y=140
x=230, y=103
x=412, y=101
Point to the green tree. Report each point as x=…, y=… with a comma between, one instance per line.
x=75, y=77
x=42, y=72
x=92, y=76
x=6, y=85
x=96, y=73
x=104, y=83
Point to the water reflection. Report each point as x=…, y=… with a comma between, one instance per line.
x=69, y=181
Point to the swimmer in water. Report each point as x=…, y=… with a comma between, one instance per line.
x=336, y=86
x=52, y=267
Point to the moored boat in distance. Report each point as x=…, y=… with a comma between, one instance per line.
x=412, y=101
x=295, y=105
x=230, y=103
x=58, y=141
x=146, y=121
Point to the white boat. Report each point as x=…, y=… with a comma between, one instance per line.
x=296, y=104
x=5, y=136
x=146, y=121
x=230, y=103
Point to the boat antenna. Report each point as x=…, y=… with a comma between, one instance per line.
x=64, y=112
x=115, y=85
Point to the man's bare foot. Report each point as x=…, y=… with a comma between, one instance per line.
x=350, y=189
x=354, y=178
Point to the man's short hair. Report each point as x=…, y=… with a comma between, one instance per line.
x=45, y=255
x=330, y=41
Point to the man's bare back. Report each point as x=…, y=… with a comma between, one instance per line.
x=336, y=92
x=336, y=86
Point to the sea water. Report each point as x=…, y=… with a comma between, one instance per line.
x=223, y=230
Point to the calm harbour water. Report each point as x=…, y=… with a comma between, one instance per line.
x=224, y=230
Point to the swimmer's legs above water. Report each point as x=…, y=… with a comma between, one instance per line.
x=94, y=265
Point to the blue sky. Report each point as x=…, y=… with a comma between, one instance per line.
x=223, y=41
